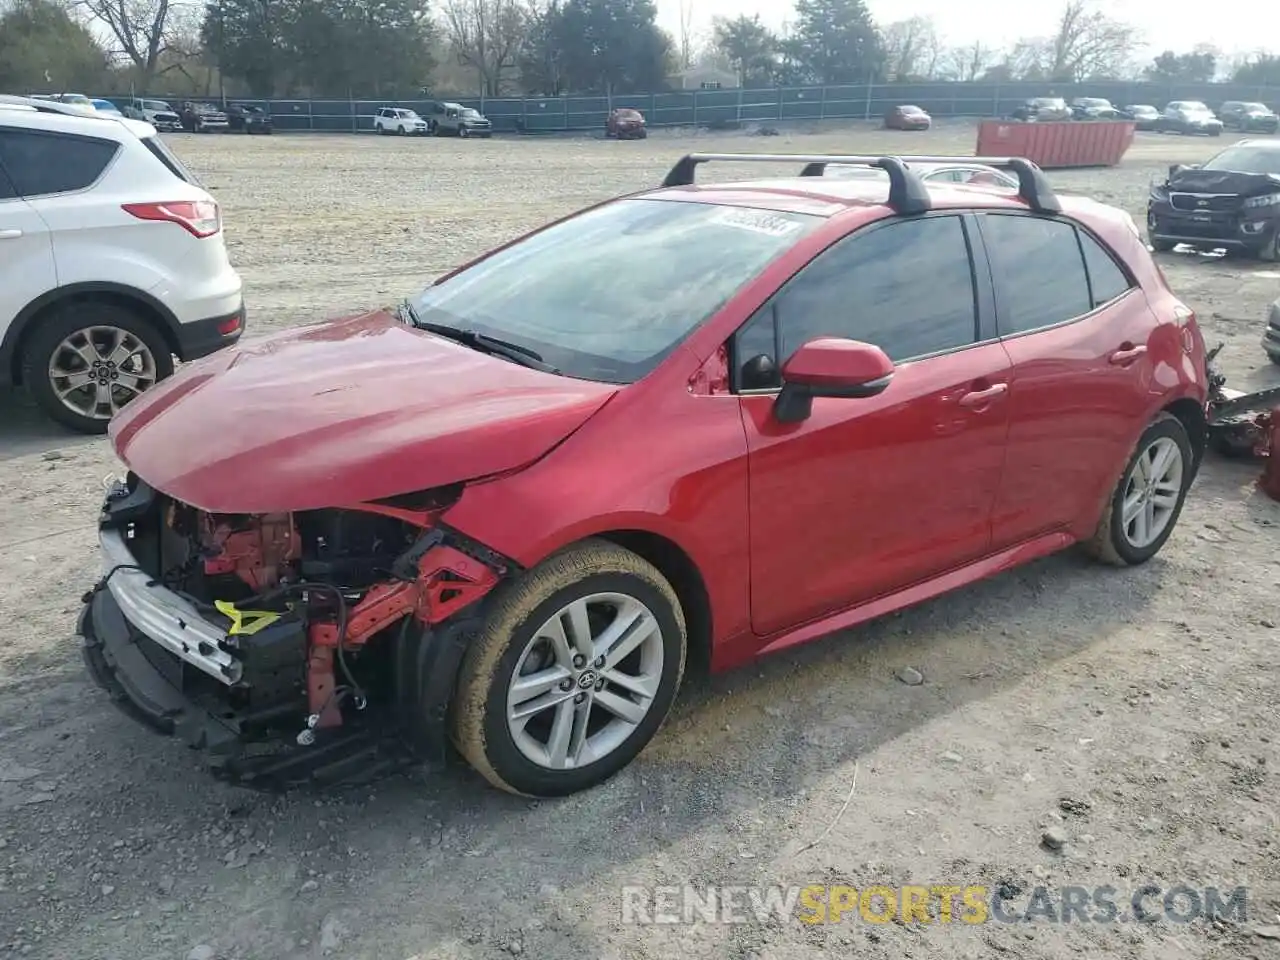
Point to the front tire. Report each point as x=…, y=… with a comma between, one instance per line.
x=573, y=673
x=87, y=360
x=463, y=132
x=1147, y=501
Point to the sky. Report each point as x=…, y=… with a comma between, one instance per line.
x=1234, y=27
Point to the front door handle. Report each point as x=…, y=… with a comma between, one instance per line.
x=1126, y=355
x=980, y=398
x=12, y=234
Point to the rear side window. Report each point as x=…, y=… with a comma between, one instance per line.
x=1038, y=270
x=166, y=156
x=41, y=163
x=1106, y=280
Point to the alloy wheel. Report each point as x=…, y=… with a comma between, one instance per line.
x=97, y=370
x=585, y=681
x=1151, y=493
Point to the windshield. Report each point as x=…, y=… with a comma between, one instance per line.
x=909, y=110
x=406, y=115
x=469, y=113
x=1049, y=102
x=1254, y=108
x=1246, y=159
x=608, y=294
x=1095, y=102
x=1192, y=106
x=156, y=105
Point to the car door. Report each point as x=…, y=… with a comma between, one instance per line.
x=1076, y=326
x=26, y=246
x=866, y=496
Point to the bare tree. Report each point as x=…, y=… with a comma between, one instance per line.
x=140, y=29
x=486, y=35
x=967, y=64
x=1089, y=43
x=686, y=34
x=911, y=48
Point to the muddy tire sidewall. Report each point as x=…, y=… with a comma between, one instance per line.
x=479, y=711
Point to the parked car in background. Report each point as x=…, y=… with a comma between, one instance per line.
x=1043, y=108
x=158, y=113
x=203, y=118
x=1231, y=202
x=1143, y=115
x=625, y=123
x=460, y=548
x=1189, y=117
x=1271, y=337
x=400, y=121
x=107, y=108
x=1248, y=117
x=112, y=261
x=954, y=171
x=1093, y=108
x=907, y=117
x=454, y=120
x=248, y=118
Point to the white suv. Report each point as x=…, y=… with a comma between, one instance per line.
x=400, y=121
x=112, y=261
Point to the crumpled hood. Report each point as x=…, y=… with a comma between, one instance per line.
x=343, y=412
x=1224, y=181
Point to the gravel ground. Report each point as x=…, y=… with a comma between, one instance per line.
x=1131, y=713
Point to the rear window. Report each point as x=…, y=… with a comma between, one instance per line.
x=40, y=163
x=609, y=293
x=161, y=152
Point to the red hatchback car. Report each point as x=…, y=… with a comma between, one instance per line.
x=506, y=515
x=907, y=117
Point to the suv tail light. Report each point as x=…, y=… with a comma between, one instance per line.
x=200, y=218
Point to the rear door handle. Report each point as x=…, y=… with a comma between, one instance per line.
x=13, y=234
x=1122, y=358
x=980, y=398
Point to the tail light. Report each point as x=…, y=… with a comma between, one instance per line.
x=200, y=218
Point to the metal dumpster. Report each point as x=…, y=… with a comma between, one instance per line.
x=1055, y=145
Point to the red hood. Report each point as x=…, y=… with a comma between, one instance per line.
x=343, y=412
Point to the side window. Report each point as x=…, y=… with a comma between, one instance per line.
x=1106, y=280
x=43, y=163
x=906, y=287
x=1038, y=270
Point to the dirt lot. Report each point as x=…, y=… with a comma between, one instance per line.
x=1149, y=696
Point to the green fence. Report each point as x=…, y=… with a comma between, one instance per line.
x=774, y=104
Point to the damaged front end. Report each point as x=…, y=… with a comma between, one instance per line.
x=312, y=646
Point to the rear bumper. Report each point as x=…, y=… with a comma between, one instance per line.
x=203, y=337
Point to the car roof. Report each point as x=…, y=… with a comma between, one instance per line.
x=73, y=118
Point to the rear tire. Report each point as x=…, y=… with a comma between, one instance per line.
x=511, y=645
x=74, y=321
x=1151, y=491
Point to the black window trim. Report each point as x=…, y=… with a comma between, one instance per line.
x=1078, y=227
x=117, y=149
x=983, y=296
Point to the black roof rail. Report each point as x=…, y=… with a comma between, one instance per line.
x=907, y=192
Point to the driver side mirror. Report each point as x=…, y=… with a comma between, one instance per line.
x=830, y=367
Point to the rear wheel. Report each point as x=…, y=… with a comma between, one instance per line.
x=574, y=671
x=1148, y=499
x=86, y=361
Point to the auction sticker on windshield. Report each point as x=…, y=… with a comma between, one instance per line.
x=757, y=221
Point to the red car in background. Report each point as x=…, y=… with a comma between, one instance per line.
x=509, y=513
x=907, y=117
x=625, y=124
